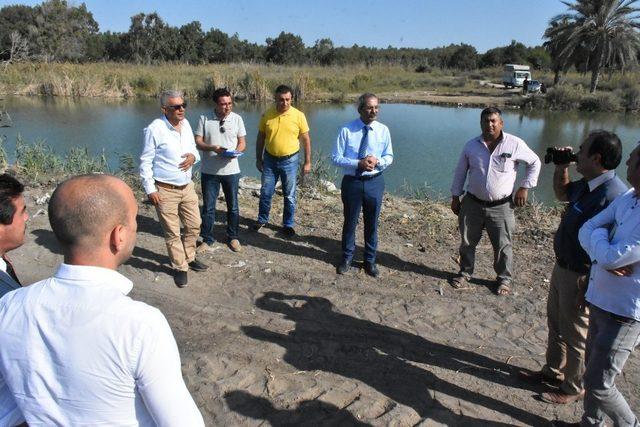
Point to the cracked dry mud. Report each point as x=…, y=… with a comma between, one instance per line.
x=283, y=340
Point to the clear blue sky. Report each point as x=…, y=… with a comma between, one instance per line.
x=378, y=23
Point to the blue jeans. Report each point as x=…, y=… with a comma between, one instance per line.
x=609, y=343
x=287, y=171
x=366, y=194
x=210, y=189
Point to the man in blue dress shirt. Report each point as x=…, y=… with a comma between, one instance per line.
x=363, y=151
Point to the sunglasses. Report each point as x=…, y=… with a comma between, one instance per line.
x=221, y=126
x=182, y=106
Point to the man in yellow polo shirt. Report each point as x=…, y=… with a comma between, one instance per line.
x=281, y=131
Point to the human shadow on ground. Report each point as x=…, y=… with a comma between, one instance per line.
x=384, y=358
x=308, y=412
x=149, y=224
x=47, y=239
x=144, y=259
x=327, y=250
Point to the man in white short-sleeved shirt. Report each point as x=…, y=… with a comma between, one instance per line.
x=74, y=349
x=220, y=139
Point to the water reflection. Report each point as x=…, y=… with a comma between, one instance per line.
x=427, y=140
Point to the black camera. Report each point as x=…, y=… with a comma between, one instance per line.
x=559, y=156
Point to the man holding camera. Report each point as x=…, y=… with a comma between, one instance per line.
x=567, y=315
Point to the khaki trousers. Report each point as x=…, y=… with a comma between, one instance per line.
x=568, y=326
x=178, y=205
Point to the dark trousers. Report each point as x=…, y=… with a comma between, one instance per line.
x=366, y=194
x=210, y=190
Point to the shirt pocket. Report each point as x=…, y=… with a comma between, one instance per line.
x=503, y=164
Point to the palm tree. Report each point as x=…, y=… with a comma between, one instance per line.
x=602, y=32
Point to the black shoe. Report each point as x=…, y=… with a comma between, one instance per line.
x=288, y=231
x=344, y=267
x=196, y=265
x=180, y=278
x=257, y=226
x=371, y=269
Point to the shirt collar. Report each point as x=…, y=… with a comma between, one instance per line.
x=94, y=276
x=601, y=179
x=168, y=123
x=362, y=125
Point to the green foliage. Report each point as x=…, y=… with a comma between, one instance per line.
x=594, y=35
x=37, y=159
x=78, y=161
x=533, y=102
x=565, y=97
x=322, y=172
x=605, y=101
x=4, y=162
x=631, y=99
x=287, y=48
x=360, y=81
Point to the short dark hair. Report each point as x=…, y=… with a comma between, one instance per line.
x=489, y=111
x=10, y=189
x=219, y=93
x=283, y=89
x=608, y=145
x=81, y=216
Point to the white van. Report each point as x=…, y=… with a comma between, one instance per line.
x=514, y=75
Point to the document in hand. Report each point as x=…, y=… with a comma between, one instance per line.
x=232, y=153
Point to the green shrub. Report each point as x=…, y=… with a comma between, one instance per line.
x=533, y=102
x=631, y=99
x=603, y=101
x=360, y=81
x=565, y=97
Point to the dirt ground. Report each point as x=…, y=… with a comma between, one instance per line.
x=272, y=336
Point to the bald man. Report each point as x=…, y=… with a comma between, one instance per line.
x=74, y=349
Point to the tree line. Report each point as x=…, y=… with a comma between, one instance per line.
x=591, y=36
x=58, y=31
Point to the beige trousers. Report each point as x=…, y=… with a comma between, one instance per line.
x=568, y=328
x=179, y=205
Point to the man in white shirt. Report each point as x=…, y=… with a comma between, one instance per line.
x=221, y=139
x=168, y=154
x=74, y=349
x=489, y=164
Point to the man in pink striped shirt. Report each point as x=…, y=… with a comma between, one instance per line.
x=489, y=164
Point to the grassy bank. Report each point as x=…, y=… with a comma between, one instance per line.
x=248, y=81
x=254, y=82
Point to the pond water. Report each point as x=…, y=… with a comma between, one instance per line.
x=427, y=140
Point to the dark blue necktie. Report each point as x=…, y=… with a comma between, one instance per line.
x=364, y=144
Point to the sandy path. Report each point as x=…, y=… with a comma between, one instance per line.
x=283, y=340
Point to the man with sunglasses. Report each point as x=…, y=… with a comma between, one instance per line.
x=167, y=157
x=281, y=131
x=220, y=139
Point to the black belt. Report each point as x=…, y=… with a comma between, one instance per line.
x=565, y=265
x=365, y=177
x=488, y=204
x=281, y=157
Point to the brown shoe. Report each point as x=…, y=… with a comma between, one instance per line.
x=235, y=246
x=537, y=377
x=559, y=398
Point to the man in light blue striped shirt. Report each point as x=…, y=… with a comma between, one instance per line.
x=612, y=241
